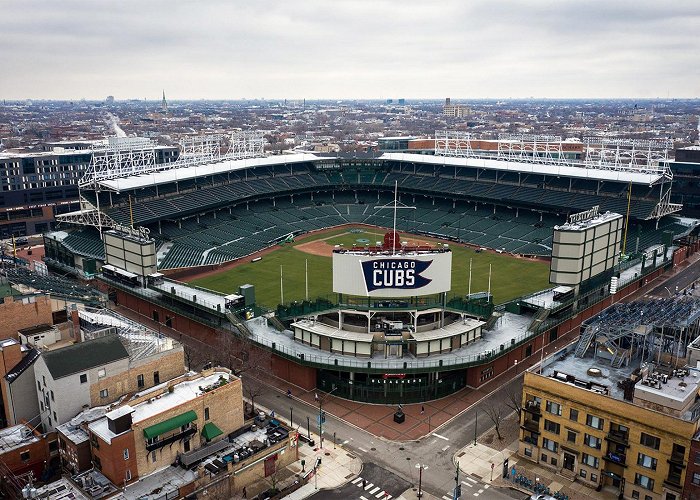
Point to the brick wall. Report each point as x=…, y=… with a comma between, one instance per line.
x=16, y=314
x=169, y=364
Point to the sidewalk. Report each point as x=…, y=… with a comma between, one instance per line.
x=337, y=466
x=476, y=461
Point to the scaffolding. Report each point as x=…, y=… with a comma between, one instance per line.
x=642, y=328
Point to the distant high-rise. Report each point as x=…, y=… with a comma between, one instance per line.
x=454, y=110
x=164, y=104
x=109, y=99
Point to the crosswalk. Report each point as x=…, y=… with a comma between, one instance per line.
x=371, y=490
x=477, y=488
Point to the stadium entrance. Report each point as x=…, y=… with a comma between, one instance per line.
x=391, y=388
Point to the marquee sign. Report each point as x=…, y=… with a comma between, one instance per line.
x=140, y=232
x=401, y=275
x=584, y=216
x=404, y=274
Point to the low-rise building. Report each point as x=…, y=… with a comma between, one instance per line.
x=23, y=449
x=165, y=422
x=623, y=419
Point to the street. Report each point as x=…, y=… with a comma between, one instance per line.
x=435, y=451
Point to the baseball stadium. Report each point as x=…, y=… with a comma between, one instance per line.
x=391, y=278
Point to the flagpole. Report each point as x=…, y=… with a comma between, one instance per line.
x=489, y=292
x=306, y=272
x=393, y=235
x=469, y=293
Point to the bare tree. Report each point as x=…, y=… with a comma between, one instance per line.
x=495, y=413
x=514, y=401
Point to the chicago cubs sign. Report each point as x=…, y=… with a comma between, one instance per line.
x=401, y=275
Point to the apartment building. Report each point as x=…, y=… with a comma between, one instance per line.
x=100, y=371
x=166, y=422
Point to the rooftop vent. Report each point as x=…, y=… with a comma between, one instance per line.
x=594, y=372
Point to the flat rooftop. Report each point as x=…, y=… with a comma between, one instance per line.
x=206, y=298
x=676, y=394
x=182, y=393
x=509, y=328
x=16, y=437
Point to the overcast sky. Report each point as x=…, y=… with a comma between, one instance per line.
x=318, y=49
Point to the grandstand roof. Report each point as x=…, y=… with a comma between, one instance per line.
x=191, y=172
x=534, y=168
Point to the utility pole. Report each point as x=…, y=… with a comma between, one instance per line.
x=476, y=423
x=458, y=488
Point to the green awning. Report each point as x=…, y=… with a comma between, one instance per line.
x=169, y=425
x=210, y=431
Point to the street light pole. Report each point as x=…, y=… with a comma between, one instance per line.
x=476, y=423
x=421, y=467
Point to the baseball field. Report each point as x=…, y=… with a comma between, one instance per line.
x=511, y=276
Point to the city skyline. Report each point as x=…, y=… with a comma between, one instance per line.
x=356, y=50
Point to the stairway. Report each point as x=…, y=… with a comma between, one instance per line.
x=584, y=341
x=235, y=321
x=540, y=316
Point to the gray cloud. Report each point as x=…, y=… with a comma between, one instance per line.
x=349, y=49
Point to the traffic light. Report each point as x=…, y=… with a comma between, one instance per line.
x=458, y=491
x=323, y=417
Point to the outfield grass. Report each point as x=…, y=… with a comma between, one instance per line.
x=511, y=277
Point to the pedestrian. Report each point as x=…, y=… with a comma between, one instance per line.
x=364, y=484
x=422, y=409
x=245, y=493
x=316, y=396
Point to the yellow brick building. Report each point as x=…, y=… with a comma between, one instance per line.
x=609, y=430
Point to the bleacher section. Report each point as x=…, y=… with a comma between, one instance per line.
x=211, y=220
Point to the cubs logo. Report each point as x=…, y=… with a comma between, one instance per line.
x=403, y=274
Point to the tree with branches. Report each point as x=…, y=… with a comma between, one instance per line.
x=495, y=414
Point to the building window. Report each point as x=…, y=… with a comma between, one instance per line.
x=550, y=426
x=126, y=453
x=593, y=421
x=650, y=441
x=590, y=460
x=646, y=461
x=186, y=445
x=696, y=478
x=573, y=415
x=571, y=436
x=52, y=399
x=697, y=458
x=554, y=461
x=24, y=456
x=553, y=408
x=544, y=458
x=549, y=445
x=83, y=378
x=104, y=393
x=635, y=494
x=101, y=373
x=55, y=417
x=592, y=441
x=156, y=378
x=528, y=452
x=582, y=473
x=38, y=386
x=127, y=476
x=153, y=457
x=594, y=477
x=644, y=481
x=53, y=445
x=206, y=413
x=140, y=381
x=50, y=423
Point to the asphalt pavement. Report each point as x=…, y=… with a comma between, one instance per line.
x=436, y=451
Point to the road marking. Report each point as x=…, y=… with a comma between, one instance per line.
x=380, y=494
x=441, y=437
x=486, y=486
x=363, y=498
x=481, y=491
x=476, y=494
x=356, y=480
x=368, y=486
x=473, y=481
x=446, y=497
x=445, y=448
x=374, y=490
x=362, y=450
x=467, y=484
x=346, y=442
